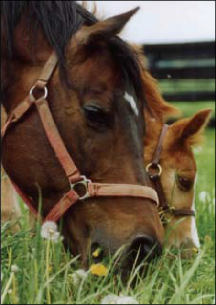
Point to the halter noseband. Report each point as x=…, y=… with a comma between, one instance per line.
x=154, y=171
x=75, y=179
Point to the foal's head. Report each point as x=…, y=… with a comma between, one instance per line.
x=177, y=161
x=96, y=99
x=179, y=175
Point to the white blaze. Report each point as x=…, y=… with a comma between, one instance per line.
x=194, y=232
x=129, y=98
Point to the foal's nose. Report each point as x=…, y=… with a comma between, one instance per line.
x=143, y=248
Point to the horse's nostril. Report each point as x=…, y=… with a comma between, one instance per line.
x=144, y=247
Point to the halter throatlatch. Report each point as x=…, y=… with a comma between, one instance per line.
x=75, y=179
x=155, y=171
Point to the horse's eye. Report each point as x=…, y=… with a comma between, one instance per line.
x=185, y=184
x=96, y=116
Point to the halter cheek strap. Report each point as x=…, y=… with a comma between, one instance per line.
x=154, y=170
x=75, y=179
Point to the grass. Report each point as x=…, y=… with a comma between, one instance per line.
x=45, y=274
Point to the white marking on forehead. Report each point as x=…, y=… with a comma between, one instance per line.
x=129, y=98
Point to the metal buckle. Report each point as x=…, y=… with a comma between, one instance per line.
x=155, y=167
x=83, y=183
x=45, y=92
x=171, y=210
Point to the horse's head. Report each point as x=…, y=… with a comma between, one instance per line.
x=179, y=176
x=96, y=100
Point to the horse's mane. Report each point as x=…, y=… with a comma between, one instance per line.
x=60, y=20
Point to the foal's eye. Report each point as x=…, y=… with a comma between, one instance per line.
x=96, y=116
x=185, y=184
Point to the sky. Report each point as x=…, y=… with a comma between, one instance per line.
x=165, y=21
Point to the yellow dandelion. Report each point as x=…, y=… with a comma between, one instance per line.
x=195, y=250
x=208, y=239
x=97, y=253
x=99, y=270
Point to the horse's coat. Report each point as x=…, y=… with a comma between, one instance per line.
x=86, y=98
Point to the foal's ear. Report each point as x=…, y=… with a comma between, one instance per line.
x=107, y=28
x=197, y=123
x=191, y=130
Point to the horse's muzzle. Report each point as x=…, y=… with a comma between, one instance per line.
x=143, y=248
x=140, y=250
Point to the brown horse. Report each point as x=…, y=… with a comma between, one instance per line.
x=96, y=99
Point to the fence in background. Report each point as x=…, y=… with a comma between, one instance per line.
x=186, y=71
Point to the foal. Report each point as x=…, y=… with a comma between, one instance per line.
x=178, y=177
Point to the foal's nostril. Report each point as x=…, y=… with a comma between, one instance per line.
x=143, y=247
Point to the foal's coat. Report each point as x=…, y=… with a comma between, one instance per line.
x=177, y=159
x=179, y=174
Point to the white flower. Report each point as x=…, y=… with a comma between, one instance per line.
x=49, y=231
x=204, y=197
x=79, y=276
x=14, y=268
x=197, y=150
x=114, y=299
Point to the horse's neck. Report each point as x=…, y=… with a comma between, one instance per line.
x=25, y=43
x=28, y=51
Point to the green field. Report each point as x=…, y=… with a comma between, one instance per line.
x=46, y=271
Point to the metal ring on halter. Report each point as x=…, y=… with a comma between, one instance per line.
x=45, y=92
x=156, y=167
x=84, y=182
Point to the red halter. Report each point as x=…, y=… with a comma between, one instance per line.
x=75, y=179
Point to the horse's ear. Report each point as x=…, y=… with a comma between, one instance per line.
x=107, y=28
x=191, y=130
